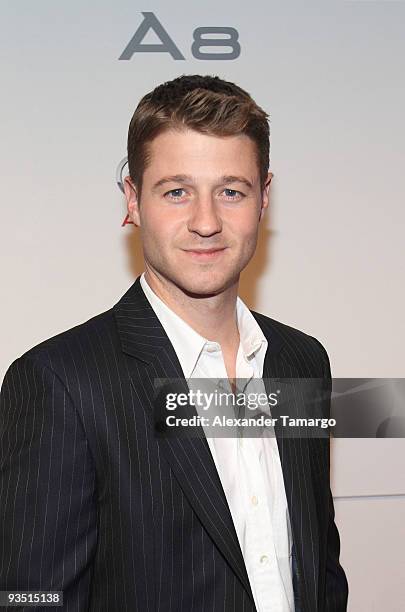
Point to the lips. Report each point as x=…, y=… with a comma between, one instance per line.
x=205, y=250
x=205, y=254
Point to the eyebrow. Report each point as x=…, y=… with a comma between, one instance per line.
x=188, y=180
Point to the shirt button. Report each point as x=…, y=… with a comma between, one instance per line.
x=211, y=348
x=264, y=559
x=254, y=500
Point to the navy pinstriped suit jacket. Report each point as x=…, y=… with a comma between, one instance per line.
x=94, y=504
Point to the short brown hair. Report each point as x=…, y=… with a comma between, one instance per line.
x=206, y=104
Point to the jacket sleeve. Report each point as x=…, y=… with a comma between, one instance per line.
x=336, y=583
x=336, y=587
x=48, y=512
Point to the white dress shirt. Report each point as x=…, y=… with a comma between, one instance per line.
x=249, y=468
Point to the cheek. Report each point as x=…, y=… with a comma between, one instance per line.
x=245, y=228
x=160, y=229
x=247, y=239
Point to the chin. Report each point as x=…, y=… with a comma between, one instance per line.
x=204, y=285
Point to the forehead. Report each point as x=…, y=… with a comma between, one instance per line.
x=190, y=152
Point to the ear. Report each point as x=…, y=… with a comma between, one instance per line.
x=131, y=196
x=265, y=195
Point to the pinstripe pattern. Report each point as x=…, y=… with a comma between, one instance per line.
x=92, y=503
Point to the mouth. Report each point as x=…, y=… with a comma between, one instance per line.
x=205, y=254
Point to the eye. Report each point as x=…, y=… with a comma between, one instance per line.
x=175, y=194
x=232, y=194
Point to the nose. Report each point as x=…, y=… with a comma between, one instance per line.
x=204, y=219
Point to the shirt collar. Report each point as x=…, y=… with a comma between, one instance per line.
x=253, y=341
x=188, y=344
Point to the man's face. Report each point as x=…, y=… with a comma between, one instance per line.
x=200, y=209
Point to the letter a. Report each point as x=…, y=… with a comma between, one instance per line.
x=151, y=22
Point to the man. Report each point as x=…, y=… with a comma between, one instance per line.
x=94, y=502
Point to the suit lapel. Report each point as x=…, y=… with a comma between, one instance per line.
x=296, y=467
x=142, y=336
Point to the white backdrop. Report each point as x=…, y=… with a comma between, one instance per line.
x=331, y=258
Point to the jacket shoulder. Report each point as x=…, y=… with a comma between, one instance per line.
x=296, y=346
x=67, y=351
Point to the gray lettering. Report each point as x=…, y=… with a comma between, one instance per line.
x=200, y=41
x=151, y=22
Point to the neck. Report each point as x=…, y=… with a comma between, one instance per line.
x=213, y=316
